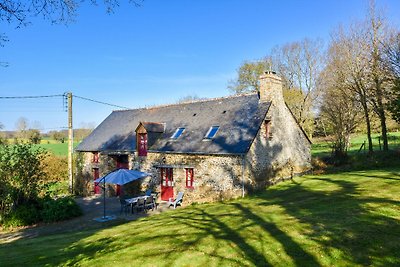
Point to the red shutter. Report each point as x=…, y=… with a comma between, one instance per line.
x=142, y=143
x=189, y=178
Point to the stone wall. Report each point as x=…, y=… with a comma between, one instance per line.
x=285, y=153
x=216, y=177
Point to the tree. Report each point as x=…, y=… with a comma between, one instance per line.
x=297, y=100
x=34, y=136
x=340, y=108
x=20, y=173
x=248, y=75
x=341, y=114
x=377, y=30
x=20, y=12
x=300, y=64
x=189, y=98
x=392, y=52
x=22, y=126
x=59, y=136
x=347, y=58
x=2, y=137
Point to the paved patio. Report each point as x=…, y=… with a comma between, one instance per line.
x=92, y=208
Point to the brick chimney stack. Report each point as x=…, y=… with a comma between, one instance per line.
x=270, y=87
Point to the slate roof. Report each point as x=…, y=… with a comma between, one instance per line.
x=238, y=117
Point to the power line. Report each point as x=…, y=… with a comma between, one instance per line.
x=63, y=95
x=99, y=102
x=25, y=97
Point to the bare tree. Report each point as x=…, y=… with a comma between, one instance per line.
x=348, y=58
x=20, y=12
x=392, y=54
x=379, y=74
x=22, y=126
x=300, y=64
x=341, y=112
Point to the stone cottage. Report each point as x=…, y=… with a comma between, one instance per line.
x=211, y=149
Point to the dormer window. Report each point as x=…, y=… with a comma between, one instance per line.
x=178, y=133
x=211, y=132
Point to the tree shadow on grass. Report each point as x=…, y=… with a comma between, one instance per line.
x=294, y=250
x=342, y=219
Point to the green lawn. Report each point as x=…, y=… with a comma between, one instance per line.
x=59, y=149
x=322, y=148
x=346, y=219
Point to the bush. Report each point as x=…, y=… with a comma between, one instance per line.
x=20, y=173
x=59, y=209
x=23, y=215
x=45, y=210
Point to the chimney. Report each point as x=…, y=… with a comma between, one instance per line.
x=270, y=87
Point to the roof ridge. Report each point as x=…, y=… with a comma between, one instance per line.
x=189, y=102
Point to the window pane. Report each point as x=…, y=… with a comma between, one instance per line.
x=178, y=133
x=212, y=132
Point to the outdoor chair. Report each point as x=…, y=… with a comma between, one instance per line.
x=124, y=205
x=149, y=203
x=140, y=204
x=177, y=201
x=148, y=192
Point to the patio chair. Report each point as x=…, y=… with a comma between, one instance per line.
x=148, y=192
x=149, y=203
x=140, y=204
x=177, y=201
x=124, y=205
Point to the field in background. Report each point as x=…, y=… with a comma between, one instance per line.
x=322, y=147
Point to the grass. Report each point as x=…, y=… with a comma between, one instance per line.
x=346, y=219
x=322, y=148
x=53, y=146
x=59, y=149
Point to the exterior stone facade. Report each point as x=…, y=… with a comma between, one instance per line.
x=279, y=150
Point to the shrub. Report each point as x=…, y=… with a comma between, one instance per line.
x=54, y=210
x=20, y=173
x=23, y=215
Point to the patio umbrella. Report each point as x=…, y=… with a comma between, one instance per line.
x=119, y=177
x=122, y=176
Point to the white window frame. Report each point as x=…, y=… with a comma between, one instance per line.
x=207, y=137
x=174, y=136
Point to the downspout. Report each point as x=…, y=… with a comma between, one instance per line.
x=243, y=168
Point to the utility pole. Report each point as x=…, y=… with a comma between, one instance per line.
x=70, y=143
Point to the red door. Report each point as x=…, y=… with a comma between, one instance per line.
x=121, y=165
x=142, y=143
x=167, y=189
x=97, y=189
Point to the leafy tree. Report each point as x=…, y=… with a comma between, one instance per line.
x=58, y=136
x=248, y=75
x=20, y=173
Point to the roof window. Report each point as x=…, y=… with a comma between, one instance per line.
x=178, y=133
x=211, y=132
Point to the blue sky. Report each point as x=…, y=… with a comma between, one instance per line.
x=154, y=54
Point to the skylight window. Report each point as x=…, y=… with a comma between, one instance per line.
x=178, y=133
x=211, y=132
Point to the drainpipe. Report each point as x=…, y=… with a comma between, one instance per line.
x=243, y=168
